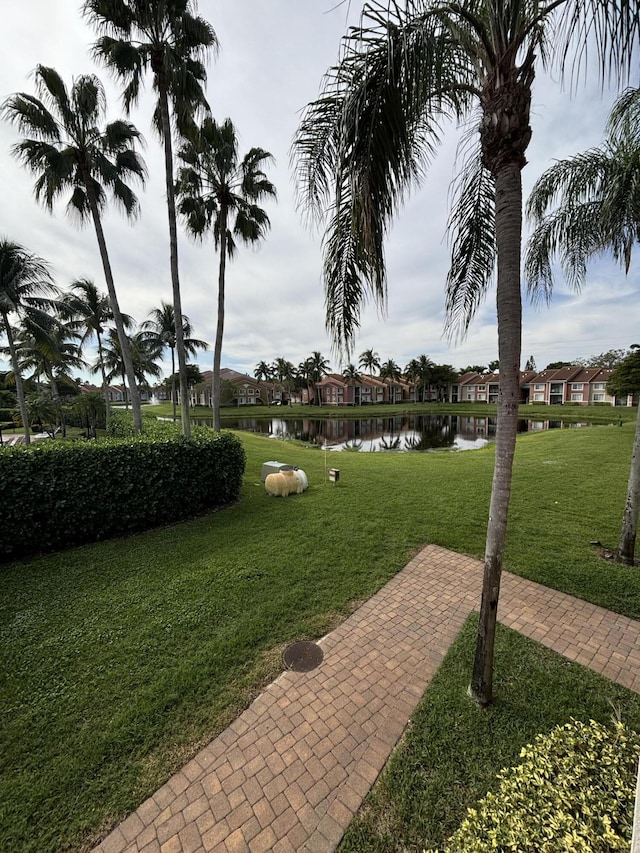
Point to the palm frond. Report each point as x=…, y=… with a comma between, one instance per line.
x=587, y=205
x=473, y=252
x=624, y=118
x=31, y=116
x=572, y=233
x=371, y=136
x=577, y=178
x=609, y=30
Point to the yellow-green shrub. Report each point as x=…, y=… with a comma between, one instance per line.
x=573, y=793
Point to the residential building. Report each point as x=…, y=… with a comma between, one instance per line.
x=247, y=390
x=582, y=386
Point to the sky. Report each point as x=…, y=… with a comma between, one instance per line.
x=272, y=57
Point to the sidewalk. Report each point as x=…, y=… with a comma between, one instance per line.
x=289, y=774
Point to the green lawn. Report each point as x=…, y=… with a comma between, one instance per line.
x=119, y=660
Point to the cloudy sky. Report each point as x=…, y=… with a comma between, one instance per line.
x=272, y=56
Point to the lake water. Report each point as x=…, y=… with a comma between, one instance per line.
x=399, y=433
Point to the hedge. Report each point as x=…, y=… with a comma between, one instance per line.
x=573, y=793
x=57, y=494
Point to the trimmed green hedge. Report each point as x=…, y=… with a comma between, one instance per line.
x=57, y=494
x=573, y=793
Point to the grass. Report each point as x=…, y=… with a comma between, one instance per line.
x=451, y=752
x=119, y=660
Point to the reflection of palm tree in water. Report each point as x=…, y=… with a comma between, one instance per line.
x=392, y=443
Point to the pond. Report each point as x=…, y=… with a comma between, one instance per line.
x=399, y=433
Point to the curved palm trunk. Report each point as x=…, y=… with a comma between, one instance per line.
x=22, y=403
x=627, y=542
x=173, y=249
x=117, y=314
x=217, y=350
x=508, y=183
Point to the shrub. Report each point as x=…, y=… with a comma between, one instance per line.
x=574, y=792
x=57, y=494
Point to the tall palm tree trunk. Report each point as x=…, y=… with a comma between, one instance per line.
x=22, y=403
x=627, y=543
x=173, y=249
x=508, y=188
x=217, y=350
x=117, y=314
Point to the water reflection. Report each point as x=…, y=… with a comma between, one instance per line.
x=398, y=433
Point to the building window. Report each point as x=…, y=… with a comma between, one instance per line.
x=482, y=387
x=538, y=397
x=598, y=398
x=598, y=386
x=576, y=386
x=482, y=397
x=576, y=398
x=538, y=387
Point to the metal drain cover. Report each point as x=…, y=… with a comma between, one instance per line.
x=302, y=656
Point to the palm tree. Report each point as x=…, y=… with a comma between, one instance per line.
x=92, y=310
x=404, y=71
x=315, y=367
x=48, y=347
x=390, y=370
x=68, y=150
x=351, y=373
x=219, y=193
x=167, y=38
x=585, y=206
x=263, y=371
x=369, y=360
x=425, y=373
x=283, y=370
x=25, y=281
x=412, y=375
x=161, y=325
x=145, y=353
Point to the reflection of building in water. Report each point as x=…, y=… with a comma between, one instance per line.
x=469, y=427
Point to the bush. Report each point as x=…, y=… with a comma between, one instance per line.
x=574, y=792
x=57, y=494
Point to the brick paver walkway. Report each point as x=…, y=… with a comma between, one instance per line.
x=289, y=774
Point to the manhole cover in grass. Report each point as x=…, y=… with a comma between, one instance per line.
x=302, y=656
